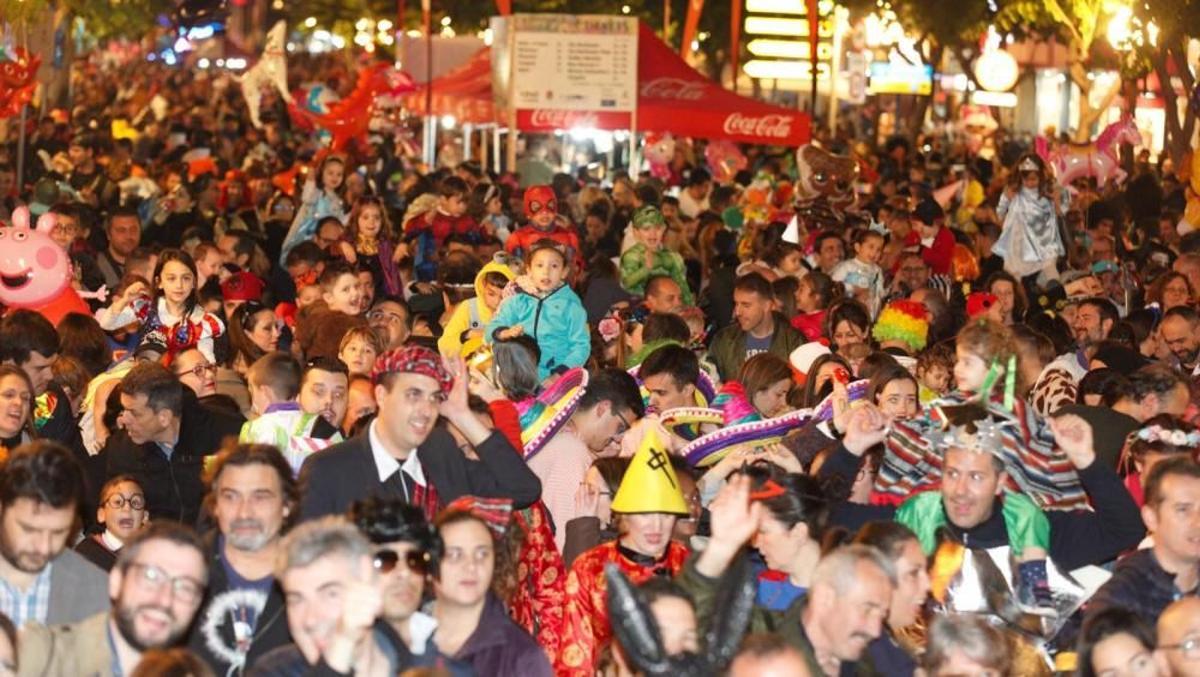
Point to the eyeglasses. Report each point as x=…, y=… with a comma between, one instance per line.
x=1190, y=647
x=118, y=501
x=188, y=590
x=417, y=561
x=199, y=370
x=625, y=426
x=383, y=316
x=536, y=206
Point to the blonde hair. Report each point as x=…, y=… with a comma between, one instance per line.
x=366, y=334
x=991, y=342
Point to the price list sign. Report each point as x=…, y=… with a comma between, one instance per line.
x=574, y=63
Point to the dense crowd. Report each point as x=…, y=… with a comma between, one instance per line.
x=344, y=413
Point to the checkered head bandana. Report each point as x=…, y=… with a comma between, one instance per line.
x=413, y=360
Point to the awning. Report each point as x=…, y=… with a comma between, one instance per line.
x=464, y=92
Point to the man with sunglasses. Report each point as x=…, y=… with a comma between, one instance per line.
x=252, y=498
x=156, y=587
x=405, y=547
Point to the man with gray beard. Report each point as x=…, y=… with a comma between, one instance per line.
x=251, y=498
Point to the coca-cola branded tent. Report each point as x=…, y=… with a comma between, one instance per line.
x=673, y=97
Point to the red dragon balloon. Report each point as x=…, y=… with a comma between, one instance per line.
x=348, y=119
x=18, y=78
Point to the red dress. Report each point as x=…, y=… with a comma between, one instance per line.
x=587, y=630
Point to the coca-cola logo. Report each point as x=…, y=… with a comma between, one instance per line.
x=772, y=125
x=561, y=119
x=673, y=88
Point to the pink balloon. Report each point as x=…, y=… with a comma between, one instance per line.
x=724, y=160
x=660, y=150
x=34, y=269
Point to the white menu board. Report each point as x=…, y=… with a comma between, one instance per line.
x=576, y=63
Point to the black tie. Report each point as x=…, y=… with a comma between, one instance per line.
x=396, y=485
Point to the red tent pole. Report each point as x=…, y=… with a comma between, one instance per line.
x=735, y=38
x=814, y=21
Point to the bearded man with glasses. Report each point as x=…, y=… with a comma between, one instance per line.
x=156, y=587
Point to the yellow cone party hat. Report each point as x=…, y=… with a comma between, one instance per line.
x=650, y=484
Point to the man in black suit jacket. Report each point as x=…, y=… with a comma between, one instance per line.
x=166, y=435
x=403, y=455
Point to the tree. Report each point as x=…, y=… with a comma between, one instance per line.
x=1178, y=21
x=1077, y=25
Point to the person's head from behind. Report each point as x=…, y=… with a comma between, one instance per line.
x=122, y=509
x=81, y=337
x=252, y=495
x=151, y=403
x=29, y=341
x=1116, y=641
x=1178, y=630
x=1100, y=387
x=176, y=662
x=768, y=655
x=608, y=407
x=157, y=585
x=339, y=288
x=41, y=485
x=272, y=379
x=516, y=366
x=669, y=374
x=323, y=389
x=405, y=547
x=753, y=303
x=966, y=645
x=547, y=265
x=315, y=565
x=848, y=600
x=1172, y=512
x=767, y=380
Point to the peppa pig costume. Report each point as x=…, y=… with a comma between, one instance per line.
x=35, y=272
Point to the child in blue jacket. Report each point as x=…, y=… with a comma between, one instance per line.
x=545, y=308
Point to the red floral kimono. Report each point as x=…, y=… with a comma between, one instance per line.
x=587, y=630
x=537, y=605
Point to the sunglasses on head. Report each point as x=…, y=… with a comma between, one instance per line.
x=536, y=206
x=417, y=561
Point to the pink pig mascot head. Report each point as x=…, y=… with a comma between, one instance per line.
x=35, y=272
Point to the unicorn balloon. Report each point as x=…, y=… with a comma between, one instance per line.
x=1098, y=158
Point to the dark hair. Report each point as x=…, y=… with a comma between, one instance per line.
x=761, y=372
x=661, y=587
x=679, y=362
x=452, y=186
x=802, y=501
x=784, y=289
x=1034, y=342
x=1182, y=465
x=546, y=244
x=390, y=520
x=178, y=256
x=122, y=212
x=1020, y=303
x=325, y=363
x=332, y=272
x=304, y=252
x=279, y=371
x=754, y=283
x=161, y=388
x=886, y=537
x=165, y=530
x=665, y=326
x=43, y=471
x=1107, y=623
x=116, y=480
x=847, y=311
x=1186, y=313
x=6, y=624
x=517, y=362
x=81, y=337
x=823, y=287
x=615, y=386
x=875, y=362
x=1155, y=378
x=239, y=455
x=883, y=377
x=243, y=322
x=1105, y=382
x=23, y=331
x=810, y=396
x=1104, y=307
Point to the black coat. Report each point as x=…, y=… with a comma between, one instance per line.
x=270, y=630
x=334, y=478
x=1138, y=584
x=174, y=489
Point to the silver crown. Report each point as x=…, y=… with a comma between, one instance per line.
x=1028, y=165
x=985, y=439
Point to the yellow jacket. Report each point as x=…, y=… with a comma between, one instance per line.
x=472, y=315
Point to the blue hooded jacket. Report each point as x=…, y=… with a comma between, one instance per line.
x=557, y=322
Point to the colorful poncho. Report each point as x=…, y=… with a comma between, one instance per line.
x=1034, y=466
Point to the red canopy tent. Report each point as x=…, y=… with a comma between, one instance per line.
x=464, y=92
x=672, y=97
